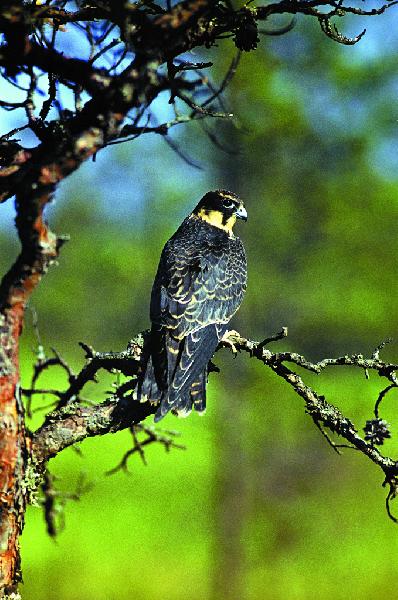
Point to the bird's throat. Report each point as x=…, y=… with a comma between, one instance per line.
x=217, y=219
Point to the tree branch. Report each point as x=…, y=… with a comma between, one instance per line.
x=50, y=61
x=73, y=423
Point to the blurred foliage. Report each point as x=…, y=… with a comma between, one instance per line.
x=258, y=506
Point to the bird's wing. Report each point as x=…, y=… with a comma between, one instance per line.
x=196, y=288
x=196, y=291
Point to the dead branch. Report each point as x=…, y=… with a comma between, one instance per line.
x=151, y=435
x=68, y=425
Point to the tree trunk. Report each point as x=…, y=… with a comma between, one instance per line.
x=13, y=451
x=39, y=248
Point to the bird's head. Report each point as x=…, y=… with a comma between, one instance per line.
x=221, y=209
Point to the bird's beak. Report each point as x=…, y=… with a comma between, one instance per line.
x=241, y=213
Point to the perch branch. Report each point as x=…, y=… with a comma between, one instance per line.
x=73, y=423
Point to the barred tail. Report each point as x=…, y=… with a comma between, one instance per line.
x=175, y=373
x=152, y=382
x=147, y=387
x=187, y=384
x=198, y=393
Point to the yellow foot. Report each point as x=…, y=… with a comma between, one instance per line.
x=228, y=340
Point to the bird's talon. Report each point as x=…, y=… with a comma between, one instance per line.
x=226, y=341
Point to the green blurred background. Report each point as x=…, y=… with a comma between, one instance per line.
x=258, y=506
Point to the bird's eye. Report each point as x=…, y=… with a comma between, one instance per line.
x=228, y=204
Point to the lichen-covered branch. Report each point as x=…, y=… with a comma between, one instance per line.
x=74, y=422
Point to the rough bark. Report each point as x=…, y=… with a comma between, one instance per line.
x=12, y=450
x=39, y=248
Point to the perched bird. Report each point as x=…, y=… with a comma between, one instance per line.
x=199, y=285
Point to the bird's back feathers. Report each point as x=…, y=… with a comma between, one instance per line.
x=199, y=285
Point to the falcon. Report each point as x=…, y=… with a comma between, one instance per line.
x=199, y=285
